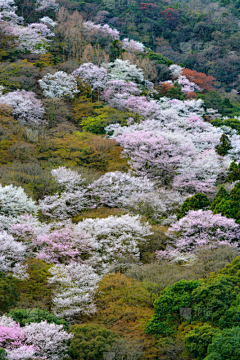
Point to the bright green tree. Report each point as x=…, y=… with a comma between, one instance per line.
x=195, y=202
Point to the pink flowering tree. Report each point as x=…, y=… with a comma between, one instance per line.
x=26, y=107
x=34, y=341
x=62, y=246
x=101, y=30
x=13, y=340
x=187, y=86
x=200, y=229
x=153, y=155
x=132, y=45
x=59, y=85
x=75, y=286
x=33, y=38
x=92, y=75
x=116, y=92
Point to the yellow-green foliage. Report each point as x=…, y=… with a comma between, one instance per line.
x=124, y=305
x=84, y=149
x=18, y=75
x=34, y=292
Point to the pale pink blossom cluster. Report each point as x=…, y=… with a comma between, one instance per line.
x=33, y=38
x=199, y=229
x=26, y=107
x=187, y=86
x=94, y=76
x=101, y=30
x=34, y=341
x=132, y=45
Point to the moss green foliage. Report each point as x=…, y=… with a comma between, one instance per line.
x=212, y=304
x=195, y=202
x=167, y=307
x=225, y=345
x=159, y=58
x=26, y=316
x=227, y=204
x=233, y=172
x=3, y=354
x=35, y=292
x=197, y=340
x=90, y=341
x=8, y=292
x=224, y=146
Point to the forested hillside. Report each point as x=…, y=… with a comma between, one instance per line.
x=119, y=180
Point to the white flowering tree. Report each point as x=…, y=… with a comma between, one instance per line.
x=12, y=253
x=92, y=75
x=14, y=201
x=8, y=12
x=71, y=201
x=115, y=188
x=75, y=285
x=59, y=85
x=116, y=239
x=124, y=70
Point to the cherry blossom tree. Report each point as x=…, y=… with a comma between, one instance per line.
x=115, y=238
x=48, y=21
x=43, y=5
x=73, y=200
x=59, y=85
x=187, y=86
x=115, y=188
x=50, y=340
x=13, y=340
x=161, y=205
x=132, y=45
x=92, y=75
x=12, y=253
x=101, y=30
x=8, y=12
x=116, y=92
x=124, y=70
x=33, y=38
x=68, y=179
x=75, y=286
x=34, y=341
x=200, y=229
x=62, y=246
x=26, y=107
x=14, y=201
